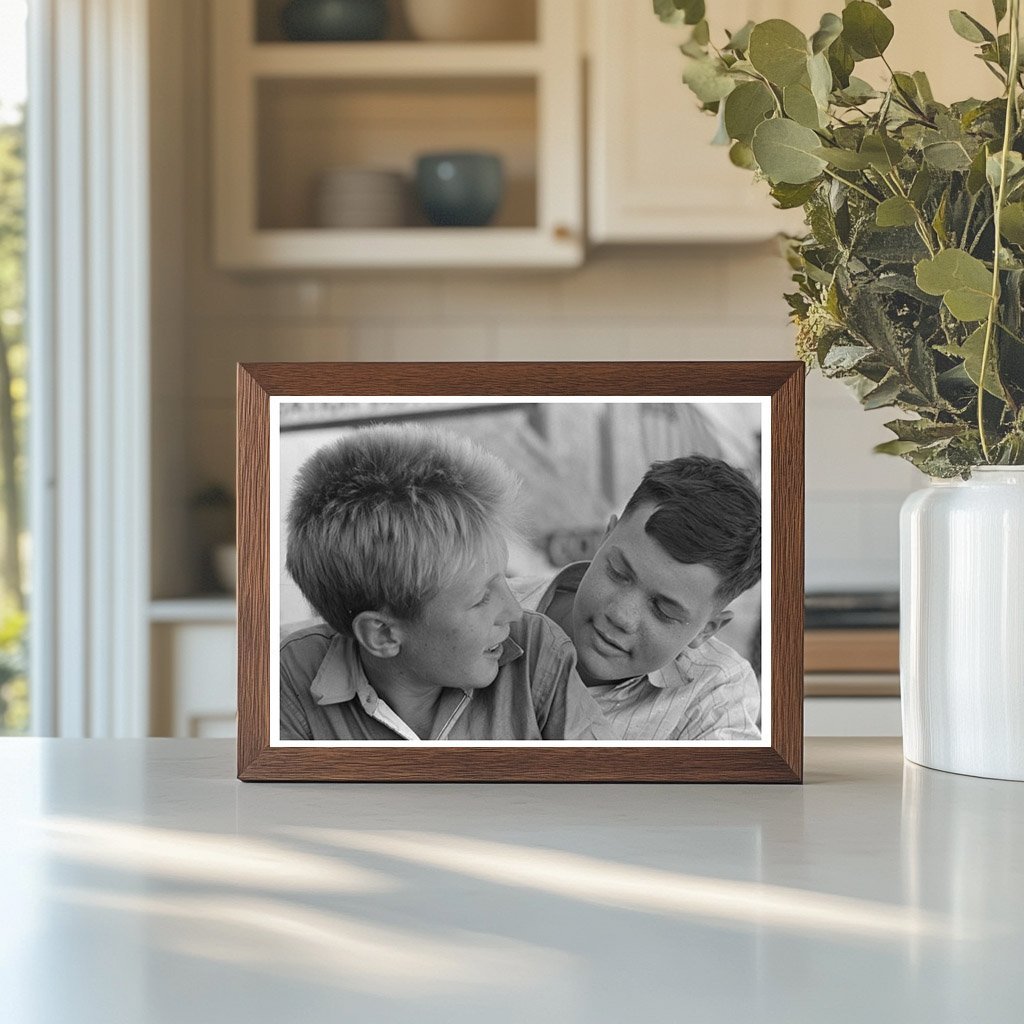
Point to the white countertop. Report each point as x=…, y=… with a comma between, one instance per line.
x=143, y=884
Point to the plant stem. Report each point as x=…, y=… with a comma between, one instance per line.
x=908, y=101
x=993, y=308
x=855, y=187
x=970, y=214
x=769, y=87
x=922, y=225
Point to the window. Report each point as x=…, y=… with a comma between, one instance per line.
x=14, y=548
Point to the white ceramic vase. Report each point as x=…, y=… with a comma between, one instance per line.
x=962, y=624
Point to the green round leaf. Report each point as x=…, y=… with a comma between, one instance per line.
x=746, y=107
x=844, y=159
x=800, y=105
x=961, y=279
x=968, y=28
x=895, y=447
x=779, y=51
x=788, y=197
x=921, y=186
x=883, y=153
x=674, y=12
x=866, y=29
x=895, y=212
x=784, y=151
x=707, y=80
x=742, y=156
x=1011, y=225
x=976, y=175
x=829, y=30
x=858, y=91
x=740, y=39
x=994, y=167
x=841, y=61
x=924, y=89
x=972, y=352
x=947, y=156
x=820, y=75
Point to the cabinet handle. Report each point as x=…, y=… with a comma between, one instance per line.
x=563, y=232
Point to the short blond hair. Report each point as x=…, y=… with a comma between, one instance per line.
x=383, y=518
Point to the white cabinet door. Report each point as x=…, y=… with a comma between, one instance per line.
x=653, y=174
x=193, y=679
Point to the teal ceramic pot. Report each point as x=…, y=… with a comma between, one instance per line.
x=460, y=189
x=334, y=20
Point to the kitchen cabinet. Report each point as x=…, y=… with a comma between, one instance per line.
x=193, y=673
x=286, y=113
x=653, y=175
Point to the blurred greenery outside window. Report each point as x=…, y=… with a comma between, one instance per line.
x=14, y=547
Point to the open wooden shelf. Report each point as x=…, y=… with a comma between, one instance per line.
x=392, y=60
x=286, y=113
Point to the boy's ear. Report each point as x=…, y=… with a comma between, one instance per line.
x=711, y=627
x=377, y=634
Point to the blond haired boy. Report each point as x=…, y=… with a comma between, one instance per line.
x=396, y=537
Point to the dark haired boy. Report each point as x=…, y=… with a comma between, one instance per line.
x=644, y=613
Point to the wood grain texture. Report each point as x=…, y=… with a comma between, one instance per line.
x=787, y=567
x=596, y=762
x=252, y=487
x=852, y=650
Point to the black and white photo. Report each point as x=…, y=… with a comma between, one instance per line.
x=501, y=570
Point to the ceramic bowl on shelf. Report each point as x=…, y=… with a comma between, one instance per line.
x=361, y=197
x=460, y=189
x=334, y=20
x=469, y=20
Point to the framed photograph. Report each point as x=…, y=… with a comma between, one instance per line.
x=520, y=572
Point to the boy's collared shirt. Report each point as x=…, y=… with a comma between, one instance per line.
x=537, y=694
x=706, y=693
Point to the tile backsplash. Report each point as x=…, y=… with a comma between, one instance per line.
x=717, y=302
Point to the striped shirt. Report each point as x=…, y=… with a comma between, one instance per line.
x=707, y=693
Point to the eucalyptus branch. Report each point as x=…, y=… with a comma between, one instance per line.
x=993, y=308
x=896, y=289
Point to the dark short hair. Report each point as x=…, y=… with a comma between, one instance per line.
x=708, y=513
x=384, y=517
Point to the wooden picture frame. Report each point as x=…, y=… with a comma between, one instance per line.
x=778, y=758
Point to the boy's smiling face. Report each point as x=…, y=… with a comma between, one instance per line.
x=637, y=608
x=457, y=638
